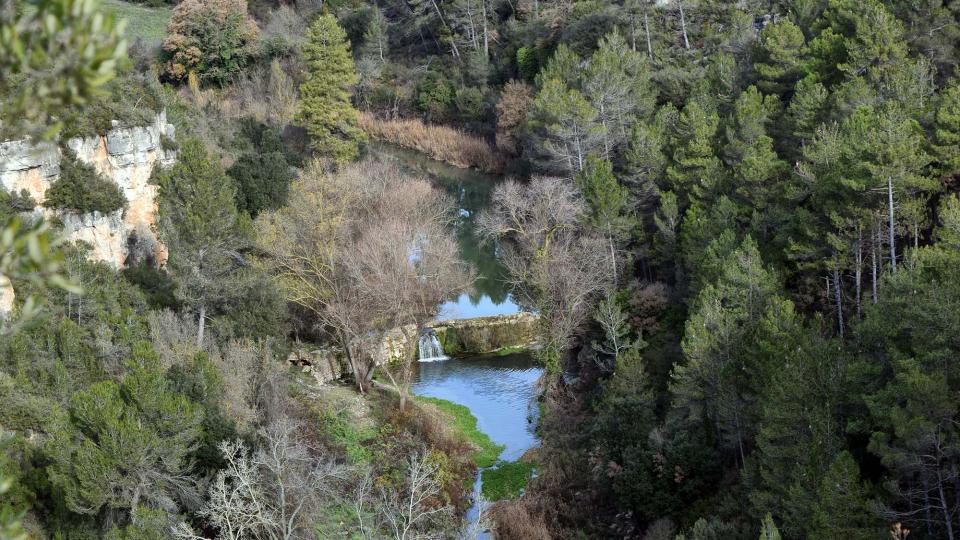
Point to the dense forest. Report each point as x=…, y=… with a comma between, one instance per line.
x=738, y=223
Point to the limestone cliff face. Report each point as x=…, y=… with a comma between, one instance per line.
x=127, y=156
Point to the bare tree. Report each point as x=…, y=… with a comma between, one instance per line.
x=271, y=494
x=556, y=266
x=410, y=512
x=366, y=250
x=405, y=263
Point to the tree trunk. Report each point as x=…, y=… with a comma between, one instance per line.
x=859, y=269
x=838, y=298
x=893, y=244
x=873, y=266
x=201, y=324
x=683, y=25
x=646, y=27
x=947, y=519
x=486, y=40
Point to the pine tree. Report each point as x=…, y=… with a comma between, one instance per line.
x=695, y=172
x=607, y=202
x=565, y=127
x=781, y=58
x=325, y=108
x=201, y=228
x=946, y=136
x=768, y=529
x=843, y=509
x=722, y=376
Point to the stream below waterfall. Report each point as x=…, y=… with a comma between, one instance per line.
x=498, y=390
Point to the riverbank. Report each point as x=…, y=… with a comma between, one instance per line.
x=442, y=143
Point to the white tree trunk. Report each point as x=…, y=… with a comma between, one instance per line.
x=893, y=244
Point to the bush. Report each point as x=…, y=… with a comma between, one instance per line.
x=213, y=38
x=81, y=189
x=262, y=173
x=435, y=95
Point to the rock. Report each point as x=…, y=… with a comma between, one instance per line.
x=125, y=155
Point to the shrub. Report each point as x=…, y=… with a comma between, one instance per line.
x=263, y=174
x=435, y=95
x=213, y=38
x=81, y=189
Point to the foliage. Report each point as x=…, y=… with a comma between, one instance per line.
x=325, y=108
x=263, y=173
x=214, y=39
x=55, y=57
x=81, y=189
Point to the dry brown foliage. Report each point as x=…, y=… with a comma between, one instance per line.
x=439, y=142
x=515, y=521
x=515, y=101
x=191, y=29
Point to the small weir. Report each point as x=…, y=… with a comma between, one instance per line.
x=430, y=348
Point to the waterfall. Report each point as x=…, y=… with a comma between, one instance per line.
x=430, y=348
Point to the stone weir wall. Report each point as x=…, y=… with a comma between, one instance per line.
x=125, y=155
x=460, y=337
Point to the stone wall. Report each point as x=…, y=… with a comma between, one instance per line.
x=127, y=156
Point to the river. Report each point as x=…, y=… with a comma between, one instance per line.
x=498, y=390
x=471, y=190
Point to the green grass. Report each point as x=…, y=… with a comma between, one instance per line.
x=507, y=351
x=147, y=23
x=346, y=435
x=466, y=423
x=506, y=481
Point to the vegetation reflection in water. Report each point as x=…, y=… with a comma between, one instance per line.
x=472, y=191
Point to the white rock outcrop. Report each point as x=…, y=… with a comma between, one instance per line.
x=125, y=155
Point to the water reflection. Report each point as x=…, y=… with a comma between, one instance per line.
x=471, y=190
x=498, y=390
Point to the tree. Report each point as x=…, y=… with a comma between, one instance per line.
x=214, y=39
x=201, y=227
x=618, y=85
x=81, y=189
x=695, y=171
x=366, y=250
x=325, y=109
x=263, y=173
x=607, y=206
x=126, y=444
x=273, y=492
x=946, y=139
x=843, y=509
x=723, y=374
x=768, y=529
x=566, y=126
x=555, y=266
x=512, y=109
x=781, y=57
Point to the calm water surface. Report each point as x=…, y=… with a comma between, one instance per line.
x=471, y=190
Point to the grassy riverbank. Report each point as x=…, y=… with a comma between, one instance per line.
x=507, y=480
x=466, y=423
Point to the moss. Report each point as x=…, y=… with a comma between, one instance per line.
x=466, y=423
x=507, y=480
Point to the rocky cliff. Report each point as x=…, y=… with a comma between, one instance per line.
x=125, y=155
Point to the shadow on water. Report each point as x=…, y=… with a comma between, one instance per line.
x=472, y=191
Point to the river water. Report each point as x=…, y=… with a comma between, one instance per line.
x=471, y=190
x=498, y=390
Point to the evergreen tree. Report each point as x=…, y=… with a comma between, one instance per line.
x=325, y=108
x=723, y=374
x=780, y=61
x=695, y=172
x=768, y=529
x=126, y=445
x=201, y=228
x=843, y=509
x=607, y=202
x=946, y=135
x=565, y=127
